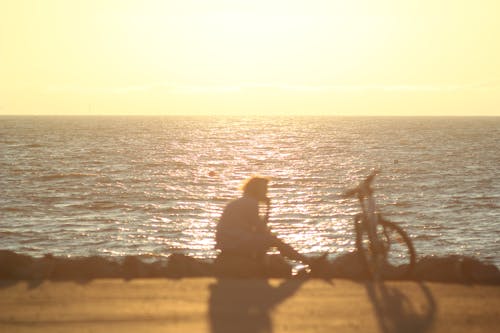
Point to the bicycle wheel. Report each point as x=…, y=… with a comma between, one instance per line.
x=400, y=256
x=393, y=258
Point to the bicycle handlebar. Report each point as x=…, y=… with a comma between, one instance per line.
x=364, y=188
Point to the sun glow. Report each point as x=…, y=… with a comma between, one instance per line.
x=280, y=57
x=239, y=45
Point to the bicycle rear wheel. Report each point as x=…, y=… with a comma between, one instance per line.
x=400, y=256
x=393, y=258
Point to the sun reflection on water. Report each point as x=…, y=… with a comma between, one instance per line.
x=127, y=186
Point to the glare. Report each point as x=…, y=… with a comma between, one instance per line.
x=249, y=57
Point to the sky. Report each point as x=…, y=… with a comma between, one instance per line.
x=215, y=57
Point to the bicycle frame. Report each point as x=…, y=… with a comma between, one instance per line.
x=369, y=211
x=376, y=248
x=369, y=218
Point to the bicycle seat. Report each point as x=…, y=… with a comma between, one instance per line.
x=364, y=188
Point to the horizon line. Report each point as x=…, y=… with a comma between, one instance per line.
x=253, y=115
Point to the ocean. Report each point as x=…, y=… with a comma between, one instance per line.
x=153, y=186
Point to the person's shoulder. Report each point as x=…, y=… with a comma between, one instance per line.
x=249, y=200
x=244, y=201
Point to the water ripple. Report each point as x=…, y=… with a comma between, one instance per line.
x=150, y=186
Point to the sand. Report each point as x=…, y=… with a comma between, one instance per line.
x=256, y=305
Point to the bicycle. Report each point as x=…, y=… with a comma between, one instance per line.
x=384, y=248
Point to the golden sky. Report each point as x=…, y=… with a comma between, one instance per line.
x=207, y=57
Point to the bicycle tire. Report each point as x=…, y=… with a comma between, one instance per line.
x=396, y=257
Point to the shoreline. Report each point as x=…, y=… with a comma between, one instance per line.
x=246, y=305
x=450, y=269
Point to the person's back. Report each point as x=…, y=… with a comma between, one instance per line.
x=240, y=229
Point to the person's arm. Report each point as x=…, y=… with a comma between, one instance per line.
x=289, y=252
x=256, y=223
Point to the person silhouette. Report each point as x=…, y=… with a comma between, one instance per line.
x=243, y=237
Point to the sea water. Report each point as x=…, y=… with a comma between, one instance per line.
x=152, y=186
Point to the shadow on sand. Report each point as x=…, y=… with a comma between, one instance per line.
x=239, y=306
x=396, y=313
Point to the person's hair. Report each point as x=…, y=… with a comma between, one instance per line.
x=251, y=186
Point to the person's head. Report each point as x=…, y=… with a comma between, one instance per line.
x=256, y=187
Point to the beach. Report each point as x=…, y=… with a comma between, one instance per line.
x=246, y=305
